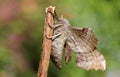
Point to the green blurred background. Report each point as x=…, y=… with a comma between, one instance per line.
x=21, y=32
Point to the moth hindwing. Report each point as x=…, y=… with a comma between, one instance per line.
x=80, y=40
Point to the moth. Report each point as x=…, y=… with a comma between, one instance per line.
x=81, y=40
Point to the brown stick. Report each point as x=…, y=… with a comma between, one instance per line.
x=45, y=56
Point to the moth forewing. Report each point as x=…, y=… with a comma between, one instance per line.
x=82, y=40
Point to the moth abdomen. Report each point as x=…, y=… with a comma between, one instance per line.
x=57, y=46
x=57, y=60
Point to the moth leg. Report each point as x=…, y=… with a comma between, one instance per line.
x=54, y=15
x=50, y=26
x=53, y=37
x=56, y=36
x=48, y=37
x=57, y=25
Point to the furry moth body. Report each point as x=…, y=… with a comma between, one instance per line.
x=80, y=40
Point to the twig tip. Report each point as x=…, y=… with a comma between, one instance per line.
x=50, y=8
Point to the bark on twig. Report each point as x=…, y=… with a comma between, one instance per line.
x=45, y=55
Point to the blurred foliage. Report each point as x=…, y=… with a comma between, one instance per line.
x=21, y=30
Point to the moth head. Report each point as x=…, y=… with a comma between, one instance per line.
x=64, y=20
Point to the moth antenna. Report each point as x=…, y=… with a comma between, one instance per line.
x=62, y=17
x=55, y=15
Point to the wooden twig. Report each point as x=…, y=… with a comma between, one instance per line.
x=45, y=56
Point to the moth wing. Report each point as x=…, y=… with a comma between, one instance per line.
x=81, y=39
x=68, y=53
x=83, y=42
x=92, y=60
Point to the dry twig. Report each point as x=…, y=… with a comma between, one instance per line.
x=45, y=56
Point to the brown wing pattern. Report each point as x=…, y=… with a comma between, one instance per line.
x=92, y=60
x=83, y=42
x=82, y=39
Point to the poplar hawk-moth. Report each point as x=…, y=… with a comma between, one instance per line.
x=80, y=40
